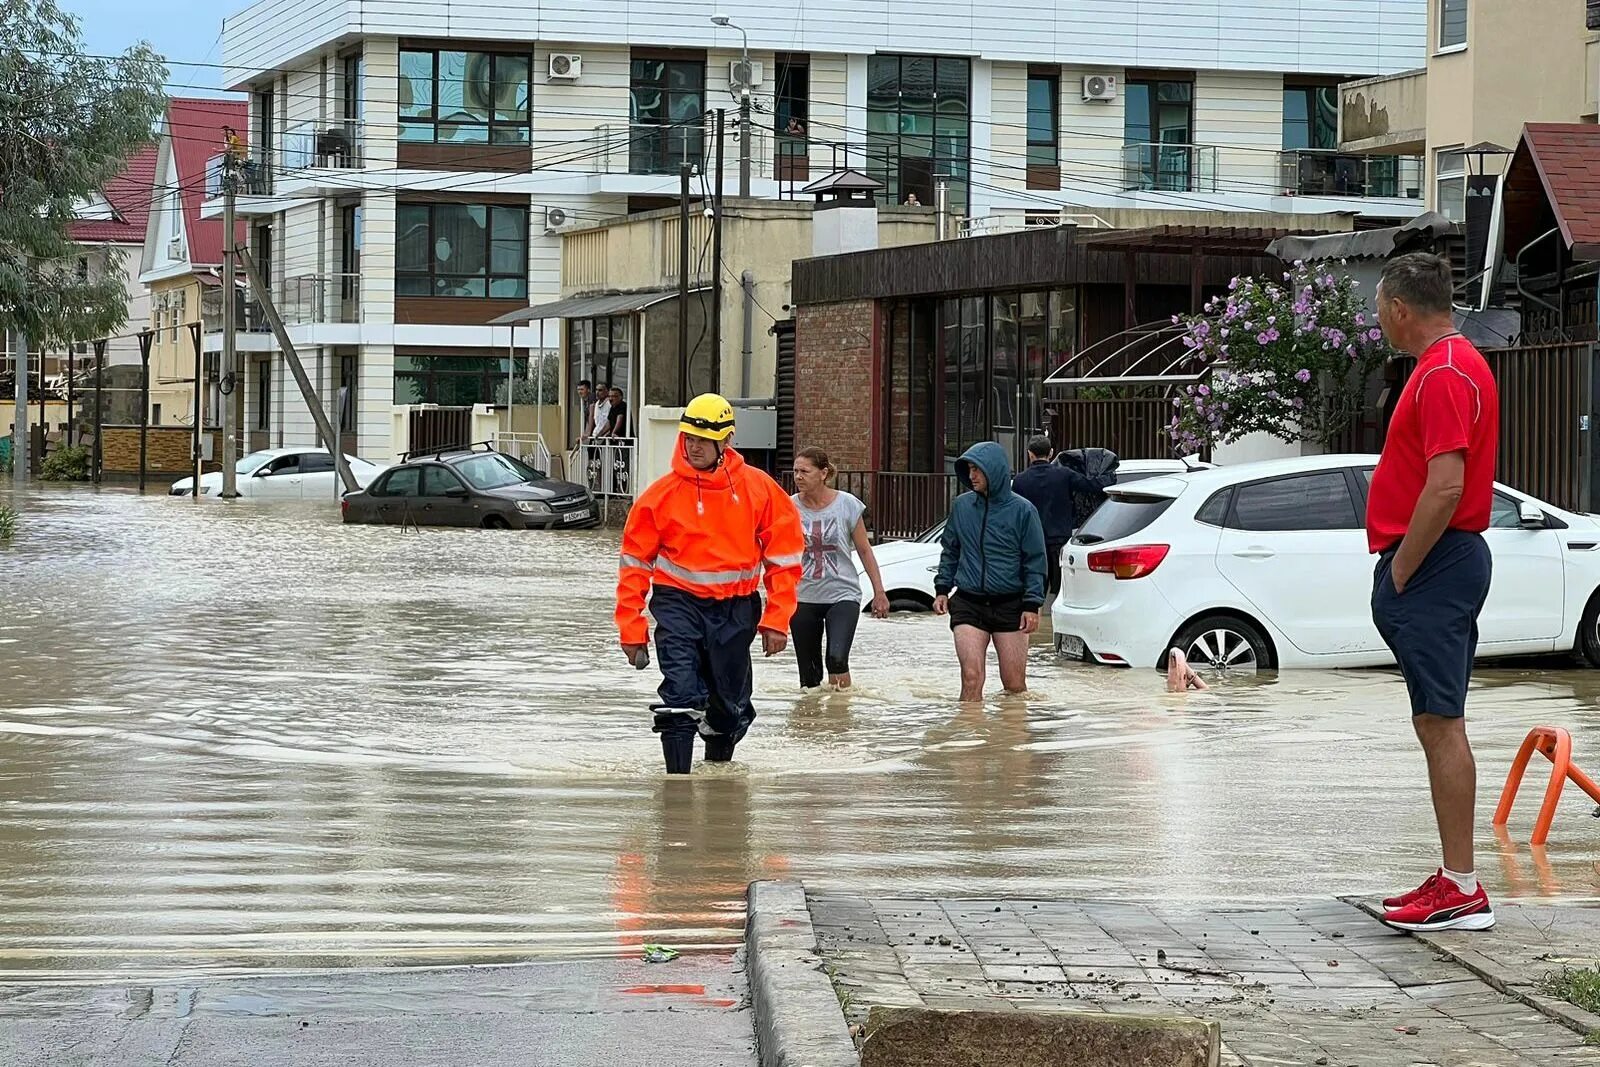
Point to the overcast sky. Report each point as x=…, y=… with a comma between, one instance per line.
x=183, y=32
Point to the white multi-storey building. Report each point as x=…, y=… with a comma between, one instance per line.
x=413, y=165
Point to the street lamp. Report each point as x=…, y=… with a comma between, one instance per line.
x=744, y=103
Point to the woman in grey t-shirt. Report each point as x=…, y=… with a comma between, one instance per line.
x=830, y=592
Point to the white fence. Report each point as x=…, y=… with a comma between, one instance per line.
x=608, y=466
x=528, y=447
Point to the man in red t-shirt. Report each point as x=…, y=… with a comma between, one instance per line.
x=1426, y=510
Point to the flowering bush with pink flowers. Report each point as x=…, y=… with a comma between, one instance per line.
x=1292, y=358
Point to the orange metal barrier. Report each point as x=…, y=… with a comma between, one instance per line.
x=1555, y=744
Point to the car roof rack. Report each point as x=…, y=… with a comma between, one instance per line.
x=447, y=450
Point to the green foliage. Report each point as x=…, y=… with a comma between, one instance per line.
x=66, y=464
x=68, y=122
x=8, y=522
x=1575, y=986
x=1291, y=358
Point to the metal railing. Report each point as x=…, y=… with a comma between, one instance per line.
x=983, y=225
x=320, y=298
x=606, y=465
x=1169, y=168
x=527, y=447
x=663, y=148
x=1325, y=172
x=255, y=177
x=900, y=504
x=330, y=144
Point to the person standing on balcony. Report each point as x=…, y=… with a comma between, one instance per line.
x=993, y=559
x=830, y=590
x=706, y=536
x=1427, y=508
x=1052, y=489
x=616, y=415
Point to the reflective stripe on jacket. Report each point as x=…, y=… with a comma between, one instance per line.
x=713, y=534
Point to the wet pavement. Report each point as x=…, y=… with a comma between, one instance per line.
x=244, y=739
x=1303, y=986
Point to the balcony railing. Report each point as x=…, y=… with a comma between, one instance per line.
x=336, y=144
x=320, y=298
x=255, y=177
x=650, y=148
x=247, y=312
x=1325, y=172
x=1170, y=168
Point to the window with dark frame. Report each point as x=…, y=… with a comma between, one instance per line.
x=355, y=78
x=1311, y=116
x=791, y=118
x=452, y=381
x=666, y=113
x=1158, y=131
x=461, y=250
x=1044, y=129
x=1452, y=23
x=263, y=395
x=461, y=97
x=919, y=126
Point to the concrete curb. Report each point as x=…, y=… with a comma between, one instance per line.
x=797, y=1015
x=1481, y=967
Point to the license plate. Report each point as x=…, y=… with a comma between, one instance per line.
x=575, y=516
x=1073, y=646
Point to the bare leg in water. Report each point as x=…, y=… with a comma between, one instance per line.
x=1180, y=676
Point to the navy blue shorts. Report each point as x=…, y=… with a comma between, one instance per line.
x=1432, y=628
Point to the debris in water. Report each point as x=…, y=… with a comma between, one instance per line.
x=659, y=954
x=1408, y=1029
x=1333, y=963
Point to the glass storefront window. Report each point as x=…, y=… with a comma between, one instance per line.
x=599, y=351
x=452, y=381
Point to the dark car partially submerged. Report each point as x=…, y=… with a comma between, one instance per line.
x=471, y=487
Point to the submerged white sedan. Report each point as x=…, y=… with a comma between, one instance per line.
x=284, y=474
x=908, y=567
x=1265, y=565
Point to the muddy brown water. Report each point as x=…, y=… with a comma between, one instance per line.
x=247, y=738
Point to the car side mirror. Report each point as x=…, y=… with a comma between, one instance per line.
x=457, y=492
x=1529, y=516
x=263, y=472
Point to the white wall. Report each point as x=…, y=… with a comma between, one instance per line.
x=1351, y=36
x=1242, y=113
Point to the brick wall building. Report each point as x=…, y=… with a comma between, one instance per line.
x=836, y=403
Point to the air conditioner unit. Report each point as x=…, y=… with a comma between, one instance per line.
x=744, y=75
x=175, y=248
x=1099, y=86
x=565, y=67
x=555, y=218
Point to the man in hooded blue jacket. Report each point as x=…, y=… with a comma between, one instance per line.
x=993, y=561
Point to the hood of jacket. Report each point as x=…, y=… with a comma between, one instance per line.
x=989, y=457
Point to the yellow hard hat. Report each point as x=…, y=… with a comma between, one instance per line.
x=708, y=415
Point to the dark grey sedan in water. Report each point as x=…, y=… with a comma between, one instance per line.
x=471, y=488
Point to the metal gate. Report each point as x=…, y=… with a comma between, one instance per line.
x=1118, y=393
x=433, y=429
x=784, y=394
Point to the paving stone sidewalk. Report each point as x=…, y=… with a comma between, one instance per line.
x=1317, y=985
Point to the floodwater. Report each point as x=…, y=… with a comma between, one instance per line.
x=242, y=737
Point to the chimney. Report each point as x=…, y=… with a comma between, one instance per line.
x=845, y=218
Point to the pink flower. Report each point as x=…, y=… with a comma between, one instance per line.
x=1302, y=375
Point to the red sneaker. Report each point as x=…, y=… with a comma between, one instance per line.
x=1444, y=908
x=1416, y=894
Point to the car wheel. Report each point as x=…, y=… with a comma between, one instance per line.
x=1224, y=644
x=908, y=602
x=1589, y=631
x=495, y=522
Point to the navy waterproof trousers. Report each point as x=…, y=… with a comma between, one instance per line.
x=703, y=648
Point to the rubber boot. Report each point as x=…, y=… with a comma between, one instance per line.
x=678, y=750
x=719, y=749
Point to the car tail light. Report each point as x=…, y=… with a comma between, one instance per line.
x=1135, y=561
x=344, y=505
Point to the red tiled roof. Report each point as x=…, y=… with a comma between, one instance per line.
x=1567, y=158
x=129, y=195
x=195, y=127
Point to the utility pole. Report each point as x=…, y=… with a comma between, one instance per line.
x=716, y=265
x=19, y=438
x=146, y=336
x=744, y=102
x=230, y=291
x=683, y=282
x=319, y=415
x=199, y=407
x=99, y=406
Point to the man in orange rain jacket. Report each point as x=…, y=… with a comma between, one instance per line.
x=704, y=534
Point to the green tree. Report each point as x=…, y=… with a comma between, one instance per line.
x=68, y=121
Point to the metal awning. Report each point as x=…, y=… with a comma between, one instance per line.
x=1364, y=244
x=591, y=307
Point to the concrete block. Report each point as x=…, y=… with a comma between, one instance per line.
x=913, y=1037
